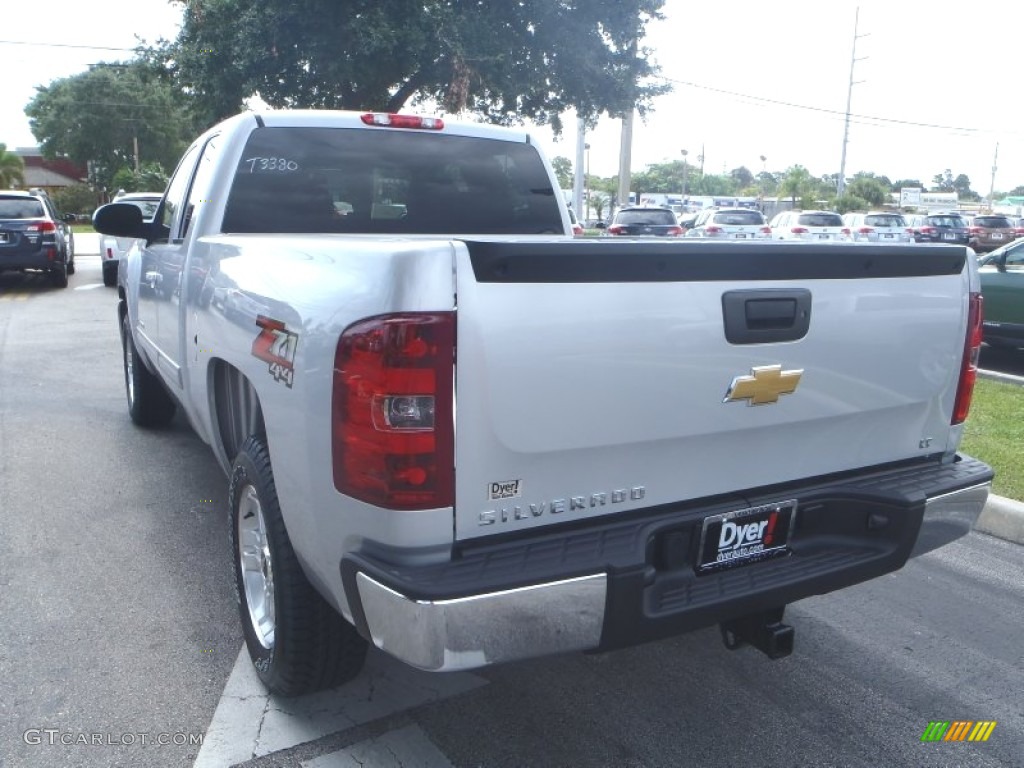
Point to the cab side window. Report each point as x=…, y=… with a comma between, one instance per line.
x=174, y=199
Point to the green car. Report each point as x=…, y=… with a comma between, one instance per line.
x=1002, y=286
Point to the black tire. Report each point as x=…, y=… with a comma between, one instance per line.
x=297, y=642
x=110, y=273
x=149, y=405
x=59, y=276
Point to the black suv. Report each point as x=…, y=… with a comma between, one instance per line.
x=942, y=228
x=34, y=236
x=639, y=220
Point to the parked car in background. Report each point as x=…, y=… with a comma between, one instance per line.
x=687, y=220
x=878, y=227
x=577, y=228
x=1018, y=227
x=113, y=249
x=34, y=236
x=730, y=224
x=990, y=231
x=1002, y=287
x=809, y=226
x=645, y=220
x=942, y=228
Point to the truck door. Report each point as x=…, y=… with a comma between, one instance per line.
x=156, y=284
x=171, y=262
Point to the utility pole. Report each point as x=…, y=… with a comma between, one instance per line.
x=625, y=155
x=577, y=176
x=992, y=187
x=841, y=182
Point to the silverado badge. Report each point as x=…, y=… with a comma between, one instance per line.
x=764, y=385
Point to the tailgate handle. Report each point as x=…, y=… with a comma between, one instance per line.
x=766, y=316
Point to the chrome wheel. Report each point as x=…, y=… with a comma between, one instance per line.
x=129, y=369
x=256, y=566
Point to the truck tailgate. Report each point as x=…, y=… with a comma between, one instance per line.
x=595, y=377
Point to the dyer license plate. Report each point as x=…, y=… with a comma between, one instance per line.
x=746, y=536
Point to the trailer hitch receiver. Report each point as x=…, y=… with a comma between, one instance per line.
x=764, y=631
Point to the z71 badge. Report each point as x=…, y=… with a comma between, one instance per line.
x=276, y=346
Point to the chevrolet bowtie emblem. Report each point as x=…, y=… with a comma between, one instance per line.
x=764, y=385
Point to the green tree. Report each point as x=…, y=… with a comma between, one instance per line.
x=901, y=183
x=797, y=183
x=1016, y=191
x=563, y=171
x=12, y=169
x=741, y=177
x=962, y=186
x=96, y=117
x=503, y=61
x=872, y=191
x=848, y=201
x=943, y=182
x=78, y=198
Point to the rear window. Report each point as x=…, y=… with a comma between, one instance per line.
x=148, y=207
x=20, y=208
x=739, y=217
x=386, y=181
x=992, y=222
x=946, y=221
x=885, y=220
x=820, y=220
x=655, y=216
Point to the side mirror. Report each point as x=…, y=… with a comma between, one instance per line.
x=68, y=217
x=120, y=220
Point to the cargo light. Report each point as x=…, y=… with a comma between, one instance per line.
x=391, y=120
x=393, y=435
x=969, y=365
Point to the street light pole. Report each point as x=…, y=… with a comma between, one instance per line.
x=586, y=181
x=682, y=206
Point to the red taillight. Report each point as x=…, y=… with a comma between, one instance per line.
x=42, y=226
x=766, y=230
x=846, y=231
x=393, y=434
x=799, y=230
x=927, y=230
x=976, y=230
x=712, y=230
x=577, y=229
x=391, y=120
x=615, y=229
x=676, y=231
x=863, y=230
x=969, y=365
x=910, y=230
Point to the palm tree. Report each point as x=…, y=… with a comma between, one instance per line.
x=12, y=168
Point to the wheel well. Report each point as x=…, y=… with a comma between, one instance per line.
x=237, y=411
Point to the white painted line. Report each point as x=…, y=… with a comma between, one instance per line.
x=407, y=747
x=88, y=287
x=251, y=723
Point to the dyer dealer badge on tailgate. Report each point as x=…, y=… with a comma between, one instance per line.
x=746, y=535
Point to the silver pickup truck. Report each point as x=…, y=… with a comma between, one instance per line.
x=455, y=432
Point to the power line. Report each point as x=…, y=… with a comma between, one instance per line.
x=66, y=45
x=824, y=110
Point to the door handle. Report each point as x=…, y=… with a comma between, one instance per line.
x=766, y=316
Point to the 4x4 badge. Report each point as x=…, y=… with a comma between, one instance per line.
x=764, y=385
